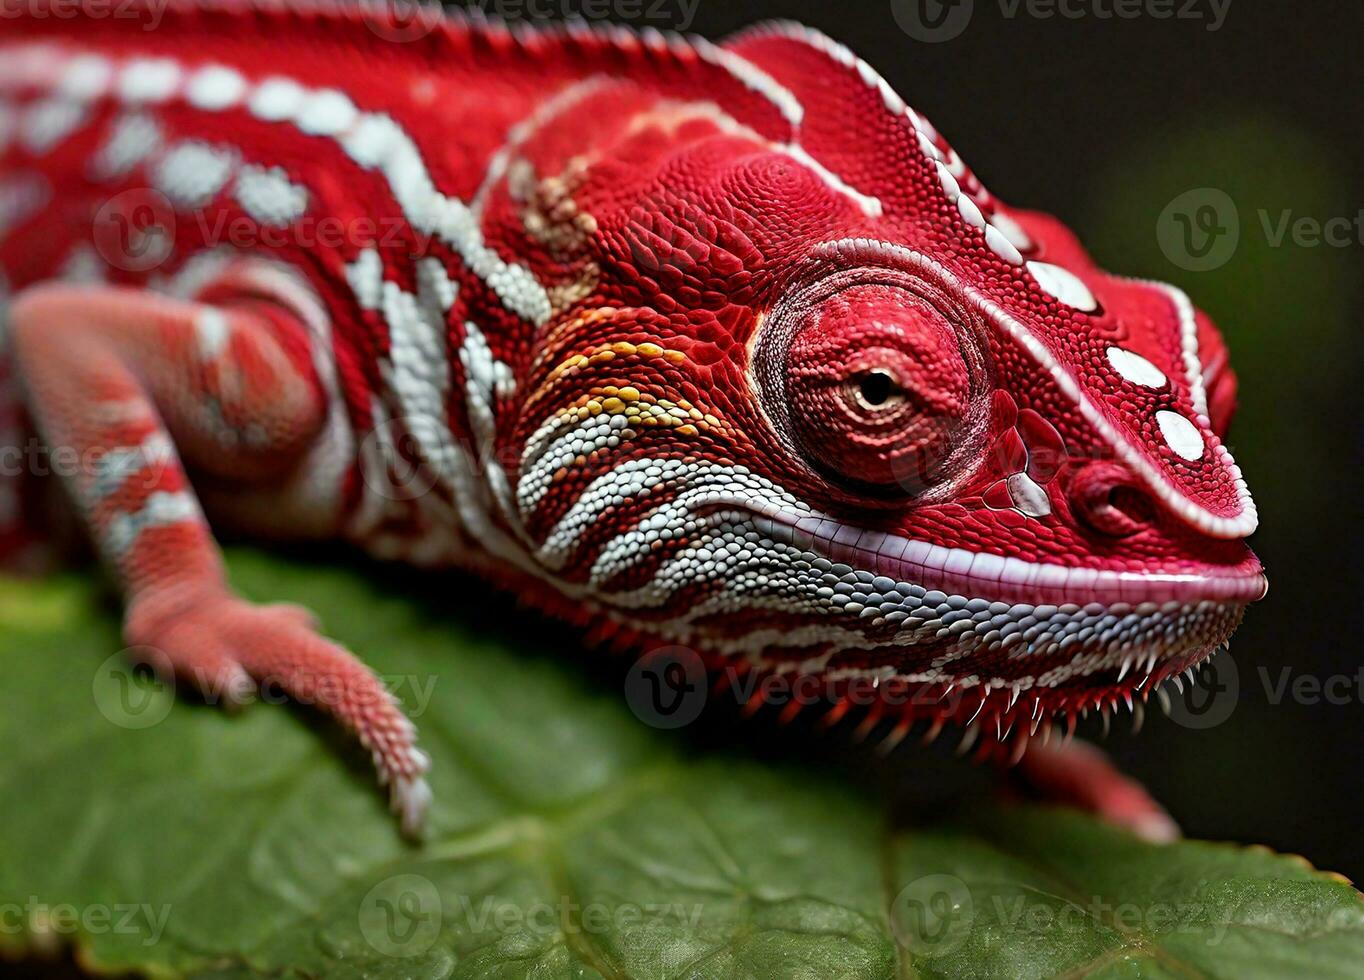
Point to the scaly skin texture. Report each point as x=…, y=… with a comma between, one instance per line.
x=713, y=345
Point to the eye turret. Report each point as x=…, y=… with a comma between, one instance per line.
x=876, y=388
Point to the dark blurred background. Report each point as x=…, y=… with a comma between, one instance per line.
x=1105, y=120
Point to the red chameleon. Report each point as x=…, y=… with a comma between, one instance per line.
x=711, y=345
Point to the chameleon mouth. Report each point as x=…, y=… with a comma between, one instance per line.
x=956, y=571
x=1007, y=645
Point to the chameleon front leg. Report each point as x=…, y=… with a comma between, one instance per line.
x=129, y=383
x=1078, y=774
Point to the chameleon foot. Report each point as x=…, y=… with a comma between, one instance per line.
x=1080, y=775
x=225, y=647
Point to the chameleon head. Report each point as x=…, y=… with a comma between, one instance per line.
x=814, y=399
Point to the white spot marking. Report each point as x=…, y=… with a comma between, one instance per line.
x=149, y=80
x=1181, y=435
x=277, y=99
x=327, y=113
x=134, y=138
x=970, y=212
x=269, y=196
x=191, y=174
x=49, y=122
x=1012, y=230
x=86, y=77
x=1135, y=368
x=1001, y=246
x=214, y=88
x=1063, y=285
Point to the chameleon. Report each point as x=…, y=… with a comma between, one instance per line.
x=718, y=345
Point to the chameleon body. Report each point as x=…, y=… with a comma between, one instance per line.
x=715, y=345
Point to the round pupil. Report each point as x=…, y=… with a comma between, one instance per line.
x=877, y=387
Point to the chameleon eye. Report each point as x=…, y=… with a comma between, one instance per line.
x=878, y=390
x=875, y=389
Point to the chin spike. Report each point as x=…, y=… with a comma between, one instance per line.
x=865, y=726
x=968, y=739
x=896, y=736
x=931, y=735
x=976, y=714
x=788, y=713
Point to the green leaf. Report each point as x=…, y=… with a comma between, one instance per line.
x=568, y=839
